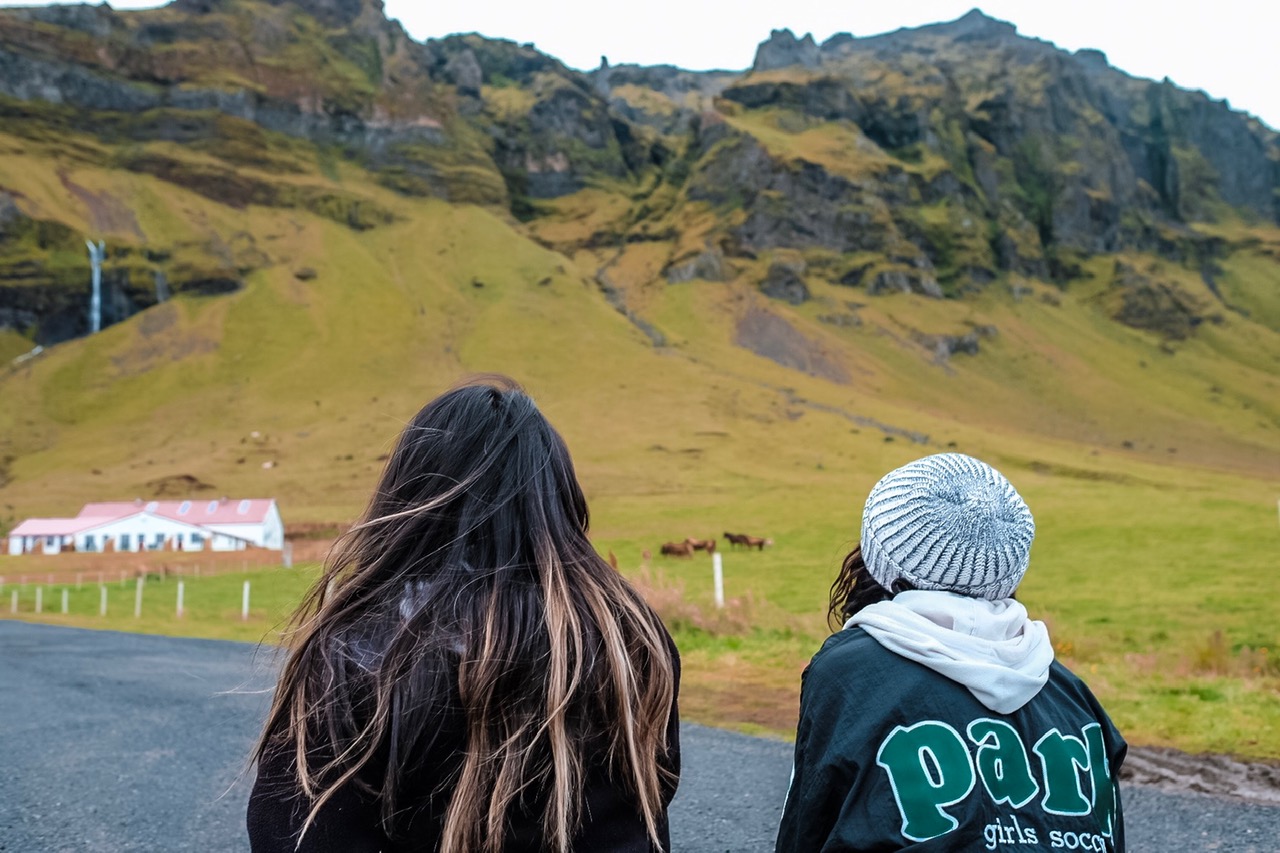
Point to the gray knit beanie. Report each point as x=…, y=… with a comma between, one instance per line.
x=948, y=522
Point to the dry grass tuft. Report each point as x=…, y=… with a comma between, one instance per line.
x=1218, y=657
x=739, y=615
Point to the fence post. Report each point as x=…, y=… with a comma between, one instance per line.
x=244, y=604
x=39, y=598
x=64, y=601
x=179, y=599
x=717, y=570
x=13, y=602
x=137, y=598
x=287, y=556
x=102, y=600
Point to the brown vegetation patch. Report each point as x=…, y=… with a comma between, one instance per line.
x=237, y=190
x=177, y=486
x=163, y=340
x=727, y=692
x=766, y=334
x=107, y=214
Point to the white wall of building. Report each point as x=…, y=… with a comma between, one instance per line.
x=148, y=532
x=37, y=544
x=269, y=533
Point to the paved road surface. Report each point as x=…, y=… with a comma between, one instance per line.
x=118, y=742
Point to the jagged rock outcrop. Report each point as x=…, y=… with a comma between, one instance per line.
x=783, y=49
x=708, y=265
x=361, y=85
x=904, y=280
x=785, y=281
x=944, y=346
x=1146, y=300
x=465, y=72
x=561, y=137
x=800, y=205
x=1056, y=154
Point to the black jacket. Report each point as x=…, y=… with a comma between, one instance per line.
x=350, y=821
x=890, y=755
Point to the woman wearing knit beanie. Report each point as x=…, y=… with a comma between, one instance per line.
x=937, y=719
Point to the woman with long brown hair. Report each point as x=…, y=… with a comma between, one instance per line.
x=468, y=675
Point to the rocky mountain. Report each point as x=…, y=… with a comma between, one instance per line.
x=835, y=205
x=932, y=160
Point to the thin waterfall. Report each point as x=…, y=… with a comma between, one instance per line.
x=96, y=254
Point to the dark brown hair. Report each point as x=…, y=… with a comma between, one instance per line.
x=853, y=589
x=469, y=583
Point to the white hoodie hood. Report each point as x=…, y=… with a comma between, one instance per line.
x=991, y=647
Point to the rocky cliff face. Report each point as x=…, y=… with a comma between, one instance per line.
x=933, y=160
x=970, y=151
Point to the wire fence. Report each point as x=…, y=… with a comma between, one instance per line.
x=156, y=593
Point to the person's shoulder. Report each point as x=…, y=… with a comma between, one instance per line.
x=1073, y=687
x=851, y=650
x=1066, y=679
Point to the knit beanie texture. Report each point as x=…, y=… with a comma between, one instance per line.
x=948, y=522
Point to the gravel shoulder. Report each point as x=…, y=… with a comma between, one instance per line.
x=123, y=742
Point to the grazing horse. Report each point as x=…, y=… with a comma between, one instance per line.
x=708, y=545
x=677, y=549
x=750, y=541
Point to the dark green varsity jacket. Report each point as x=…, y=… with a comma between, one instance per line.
x=890, y=755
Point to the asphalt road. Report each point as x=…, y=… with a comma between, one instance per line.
x=121, y=742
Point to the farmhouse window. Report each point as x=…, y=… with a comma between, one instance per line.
x=124, y=542
x=90, y=544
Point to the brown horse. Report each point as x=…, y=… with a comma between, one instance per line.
x=677, y=549
x=756, y=542
x=708, y=545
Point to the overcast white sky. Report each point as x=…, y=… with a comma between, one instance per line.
x=1225, y=47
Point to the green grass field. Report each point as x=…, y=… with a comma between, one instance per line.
x=1165, y=620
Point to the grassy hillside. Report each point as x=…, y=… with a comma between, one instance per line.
x=342, y=300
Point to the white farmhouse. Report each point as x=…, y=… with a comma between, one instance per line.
x=188, y=525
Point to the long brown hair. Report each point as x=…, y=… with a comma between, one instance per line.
x=469, y=584
x=853, y=589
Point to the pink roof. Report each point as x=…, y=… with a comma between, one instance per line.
x=193, y=511
x=58, y=526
